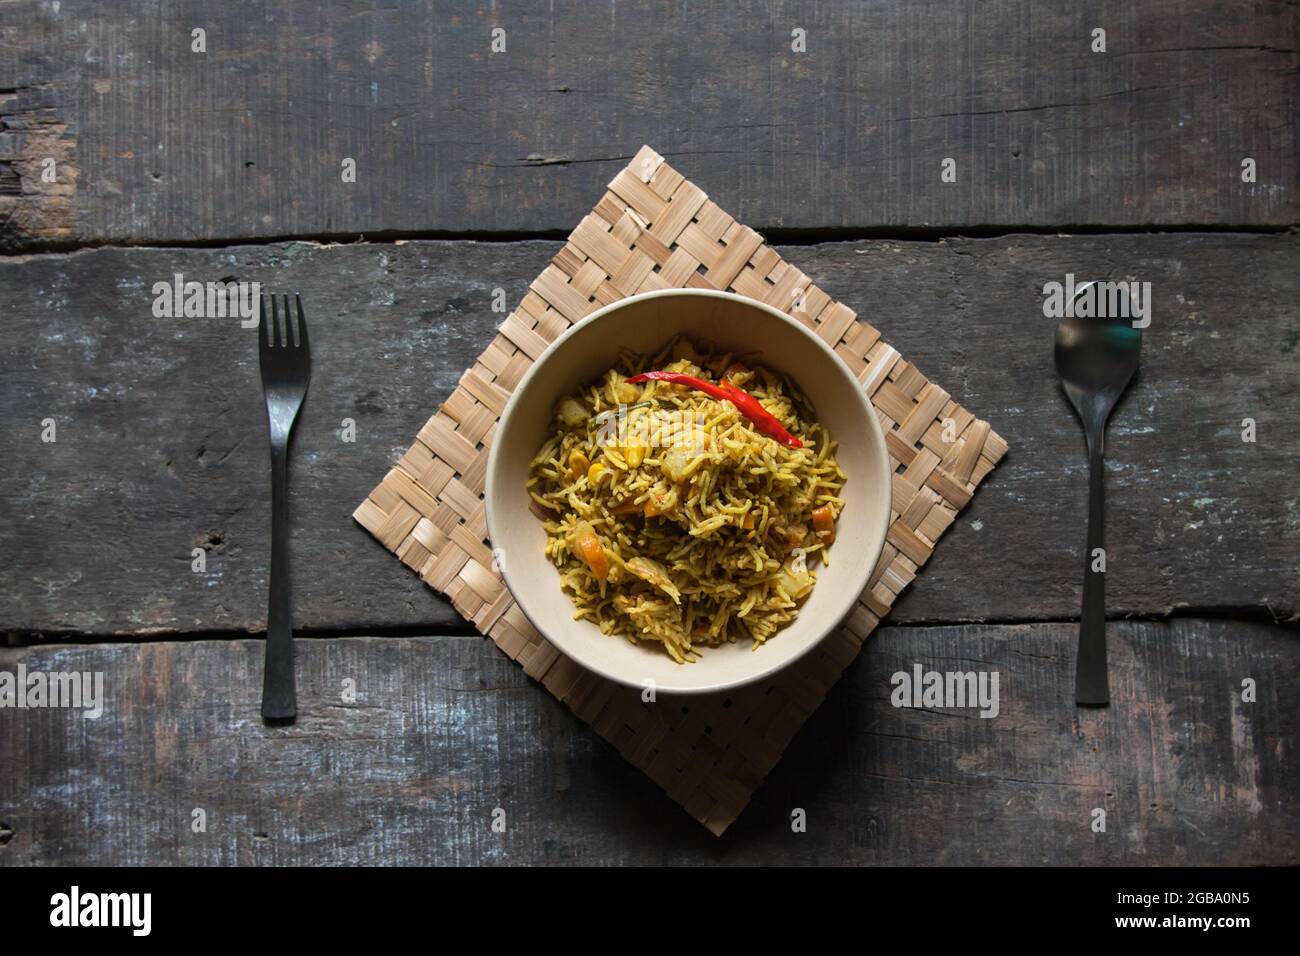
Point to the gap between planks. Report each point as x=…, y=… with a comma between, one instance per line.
x=1254, y=614
x=775, y=236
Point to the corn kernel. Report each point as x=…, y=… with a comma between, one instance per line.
x=578, y=462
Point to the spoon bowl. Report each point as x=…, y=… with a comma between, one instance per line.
x=1096, y=359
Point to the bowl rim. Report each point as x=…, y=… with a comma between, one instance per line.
x=875, y=436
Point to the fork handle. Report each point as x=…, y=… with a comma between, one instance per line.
x=1091, y=683
x=279, y=699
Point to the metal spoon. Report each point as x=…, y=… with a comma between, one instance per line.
x=1095, y=359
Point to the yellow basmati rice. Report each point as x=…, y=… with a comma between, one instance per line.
x=705, y=522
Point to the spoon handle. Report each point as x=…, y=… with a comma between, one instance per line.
x=1091, y=685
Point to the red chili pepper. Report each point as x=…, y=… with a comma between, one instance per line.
x=748, y=405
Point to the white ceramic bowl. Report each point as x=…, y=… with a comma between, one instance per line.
x=644, y=323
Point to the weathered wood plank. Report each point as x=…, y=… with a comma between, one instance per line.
x=161, y=430
x=156, y=142
x=445, y=730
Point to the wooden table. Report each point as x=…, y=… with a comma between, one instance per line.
x=471, y=166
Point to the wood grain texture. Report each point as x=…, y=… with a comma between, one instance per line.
x=162, y=437
x=445, y=730
x=247, y=139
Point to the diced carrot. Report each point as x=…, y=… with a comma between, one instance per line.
x=592, y=552
x=660, y=503
x=823, y=519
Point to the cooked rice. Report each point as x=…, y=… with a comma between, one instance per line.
x=698, y=575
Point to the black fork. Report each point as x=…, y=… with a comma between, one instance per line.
x=286, y=372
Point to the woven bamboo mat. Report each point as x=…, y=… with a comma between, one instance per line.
x=653, y=229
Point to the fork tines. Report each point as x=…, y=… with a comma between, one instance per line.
x=276, y=332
